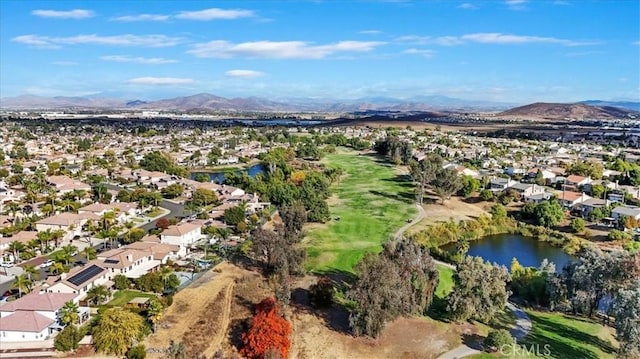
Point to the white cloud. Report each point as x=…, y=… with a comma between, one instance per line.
x=636, y=43
x=141, y=17
x=279, y=49
x=70, y=14
x=214, y=14
x=516, y=4
x=499, y=38
x=489, y=38
x=243, y=73
x=93, y=39
x=65, y=63
x=138, y=60
x=424, y=53
x=467, y=6
x=160, y=81
x=370, y=32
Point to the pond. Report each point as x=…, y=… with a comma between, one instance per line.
x=218, y=177
x=501, y=249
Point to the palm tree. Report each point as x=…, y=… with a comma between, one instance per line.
x=48, y=209
x=31, y=272
x=89, y=253
x=69, y=313
x=43, y=238
x=13, y=208
x=68, y=205
x=57, y=235
x=16, y=247
x=57, y=268
x=68, y=252
x=154, y=312
x=22, y=283
x=107, y=219
x=98, y=295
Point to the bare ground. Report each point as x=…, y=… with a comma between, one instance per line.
x=454, y=208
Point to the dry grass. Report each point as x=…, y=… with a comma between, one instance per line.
x=453, y=208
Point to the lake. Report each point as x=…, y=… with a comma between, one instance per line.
x=501, y=249
x=218, y=177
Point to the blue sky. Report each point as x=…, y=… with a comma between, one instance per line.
x=504, y=50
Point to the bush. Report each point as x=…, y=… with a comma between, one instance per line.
x=269, y=332
x=137, y=352
x=577, y=225
x=121, y=282
x=67, y=339
x=497, y=339
x=616, y=235
x=486, y=195
x=166, y=300
x=321, y=293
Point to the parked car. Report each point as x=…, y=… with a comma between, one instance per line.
x=46, y=264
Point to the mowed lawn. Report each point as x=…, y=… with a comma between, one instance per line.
x=372, y=202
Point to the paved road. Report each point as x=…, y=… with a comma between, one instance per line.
x=418, y=218
x=175, y=209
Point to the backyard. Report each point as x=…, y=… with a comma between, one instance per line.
x=369, y=203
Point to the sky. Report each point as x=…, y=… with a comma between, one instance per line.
x=515, y=51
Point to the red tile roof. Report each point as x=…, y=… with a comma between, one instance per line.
x=25, y=321
x=45, y=302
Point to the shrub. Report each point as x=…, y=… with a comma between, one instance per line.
x=486, y=195
x=67, y=339
x=137, y=352
x=121, y=282
x=497, y=339
x=616, y=235
x=269, y=332
x=322, y=293
x=577, y=225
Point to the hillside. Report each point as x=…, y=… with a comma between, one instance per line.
x=561, y=111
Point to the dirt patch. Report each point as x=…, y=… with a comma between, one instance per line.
x=453, y=208
x=198, y=311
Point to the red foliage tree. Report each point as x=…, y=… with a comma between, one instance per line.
x=162, y=223
x=269, y=332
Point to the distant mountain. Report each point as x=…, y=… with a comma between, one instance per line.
x=59, y=102
x=559, y=111
x=629, y=105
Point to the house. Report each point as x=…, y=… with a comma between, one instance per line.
x=546, y=174
x=23, y=237
x=569, y=198
x=575, y=181
x=625, y=211
x=80, y=279
x=538, y=197
x=182, y=235
x=123, y=211
x=499, y=184
x=585, y=208
x=527, y=189
x=70, y=223
x=128, y=262
x=35, y=316
x=64, y=184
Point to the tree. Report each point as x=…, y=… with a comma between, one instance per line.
x=69, y=313
x=498, y=338
x=120, y=282
x=16, y=248
x=401, y=280
x=137, y=352
x=269, y=331
x=162, y=223
x=446, y=183
x=424, y=172
x=154, y=312
x=98, y=294
x=68, y=339
x=201, y=177
x=68, y=252
x=57, y=268
x=173, y=190
x=548, y=213
x=134, y=235
x=22, y=283
x=479, y=291
x=116, y=331
x=578, y=225
x=89, y=253
x=204, y=197
x=234, y=215
x=498, y=213
x=486, y=195
x=539, y=179
x=626, y=310
x=322, y=293
x=469, y=185
x=31, y=272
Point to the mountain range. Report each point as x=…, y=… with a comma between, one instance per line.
x=559, y=111
x=205, y=102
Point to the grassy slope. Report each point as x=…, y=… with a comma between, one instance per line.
x=570, y=337
x=372, y=202
x=445, y=285
x=123, y=297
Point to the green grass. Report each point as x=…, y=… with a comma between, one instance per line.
x=570, y=337
x=122, y=297
x=373, y=202
x=445, y=285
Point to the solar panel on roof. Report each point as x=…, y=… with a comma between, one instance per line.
x=85, y=275
x=111, y=261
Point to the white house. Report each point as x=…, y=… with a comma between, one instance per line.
x=498, y=184
x=625, y=211
x=80, y=279
x=182, y=235
x=132, y=263
x=35, y=316
x=70, y=223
